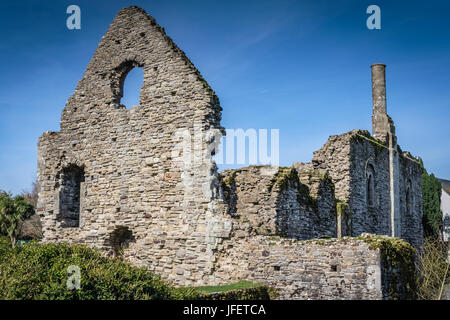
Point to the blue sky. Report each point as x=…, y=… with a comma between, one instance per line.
x=299, y=66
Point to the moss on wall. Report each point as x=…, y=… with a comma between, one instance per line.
x=228, y=183
x=344, y=213
x=398, y=264
x=281, y=178
x=379, y=146
x=288, y=174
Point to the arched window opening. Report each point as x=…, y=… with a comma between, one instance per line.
x=120, y=239
x=72, y=183
x=132, y=87
x=370, y=186
x=127, y=83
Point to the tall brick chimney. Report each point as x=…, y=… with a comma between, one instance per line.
x=379, y=87
x=381, y=123
x=383, y=129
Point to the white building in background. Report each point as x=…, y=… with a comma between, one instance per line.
x=445, y=208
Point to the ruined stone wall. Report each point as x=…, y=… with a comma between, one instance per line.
x=133, y=174
x=411, y=199
x=368, y=155
x=246, y=192
x=317, y=269
x=142, y=180
x=346, y=159
x=369, y=158
x=350, y=159
x=318, y=188
x=271, y=201
x=334, y=159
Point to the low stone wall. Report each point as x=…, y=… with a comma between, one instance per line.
x=346, y=268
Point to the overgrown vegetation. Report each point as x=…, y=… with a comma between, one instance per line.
x=399, y=264
x=432, y=263
x=13, y=210
x=431, y=199
x=228, y=185
x=40, y=272
x=32, y=195
x=433, y=269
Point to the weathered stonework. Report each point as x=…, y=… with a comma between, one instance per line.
x=277, y=202
x=118, y=179
x=346, y=268
x=349, y=159
x=129, y=178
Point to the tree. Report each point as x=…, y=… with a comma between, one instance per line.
x=431, y=199
x=12, y=212
x=32, y=196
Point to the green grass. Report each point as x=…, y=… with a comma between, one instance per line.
x=229, y=287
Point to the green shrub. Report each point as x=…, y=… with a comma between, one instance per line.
x=12, y=211
x=431, y=199
x=433, y=269
x=39, y=271
x=5, y=245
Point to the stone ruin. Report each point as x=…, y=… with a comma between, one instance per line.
x=116, y=179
